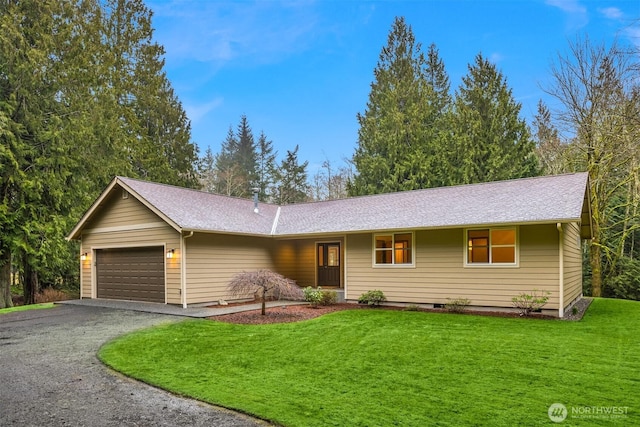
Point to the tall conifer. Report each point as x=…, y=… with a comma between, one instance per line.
x=492, y=141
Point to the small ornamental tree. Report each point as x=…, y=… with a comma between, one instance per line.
x=262, y=283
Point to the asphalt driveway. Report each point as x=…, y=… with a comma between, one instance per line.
x=50, y=375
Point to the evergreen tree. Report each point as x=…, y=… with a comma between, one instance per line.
x=438, y=116
x=266, y=167
x=247, y=156
x=82, y=98
x=291, y=180
x=400, y=130
x=387, y=158
x=549, y=150
x=492, y=142
x=228, y=176
x=237, y=163
x=207, y=172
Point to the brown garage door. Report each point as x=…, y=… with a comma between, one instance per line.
x=135, y=274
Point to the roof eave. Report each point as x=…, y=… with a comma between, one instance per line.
x=436, y=227
x=150, y=206
x=586, y=217
x=76, y=232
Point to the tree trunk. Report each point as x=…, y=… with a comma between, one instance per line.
x=595, y=259
x=30, y=286
x=5, y=278
x=264, y=301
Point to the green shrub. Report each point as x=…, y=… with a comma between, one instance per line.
x=457, y=305
x=313, y=296
x=374, y=297
x=624, y=283
x=411, y=307
x=528, y=303
x=328, y=297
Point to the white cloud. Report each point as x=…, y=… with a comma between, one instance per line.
x=196, y=112
x=223, y=31
x=633, y=33
x=576, y=13
x=611, y=12
x=496, y=57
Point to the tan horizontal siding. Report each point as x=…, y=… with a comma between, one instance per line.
x=118, y=212
x=572, y=263
x=439, y=272
x=213, y=260
x=285, y=258
x=306, y=266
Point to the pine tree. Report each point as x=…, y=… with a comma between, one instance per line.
x=492, y=142
x=291, y=180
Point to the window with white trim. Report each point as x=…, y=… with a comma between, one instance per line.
x=491, y=246
x=393, y=249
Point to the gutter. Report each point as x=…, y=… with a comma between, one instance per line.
x=183, y=268
x=561, y=269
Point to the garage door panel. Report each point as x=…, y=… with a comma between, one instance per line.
x=131, y=274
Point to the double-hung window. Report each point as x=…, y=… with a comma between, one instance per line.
x=493, y=246
x=393, y=249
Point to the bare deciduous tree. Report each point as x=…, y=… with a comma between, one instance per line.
x=599, y=114
x=263, y=283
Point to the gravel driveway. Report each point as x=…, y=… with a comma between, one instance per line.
x=50, y=375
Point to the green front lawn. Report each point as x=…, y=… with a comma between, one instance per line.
x=27, y=307
x=385, y=368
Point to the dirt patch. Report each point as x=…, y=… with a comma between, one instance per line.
x=283, y=314
x=297, y=313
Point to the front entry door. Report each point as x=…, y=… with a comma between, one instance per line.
x=329, y=264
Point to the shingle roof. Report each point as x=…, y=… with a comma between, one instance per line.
x=542, y=199
x=547, y=199
x=193, y=210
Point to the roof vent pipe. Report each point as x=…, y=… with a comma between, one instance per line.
x=255, y=199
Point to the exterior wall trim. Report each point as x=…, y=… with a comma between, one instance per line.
x=342, y=240
x=94, y=262
x=183, y=268
x=465, y=261
x=560, y=269
x=129, y=227
x=401, y=266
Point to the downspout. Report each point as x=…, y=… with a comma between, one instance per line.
x=561, y=269
x=82, y=266
x=183, y=268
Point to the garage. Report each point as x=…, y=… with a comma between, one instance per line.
x=135, y=274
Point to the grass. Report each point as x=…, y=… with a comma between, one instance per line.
x=385, y=368
x=27, y=307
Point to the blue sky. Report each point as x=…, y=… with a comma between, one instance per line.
x=301, y=70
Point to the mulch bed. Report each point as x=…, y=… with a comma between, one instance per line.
x=297, y=313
